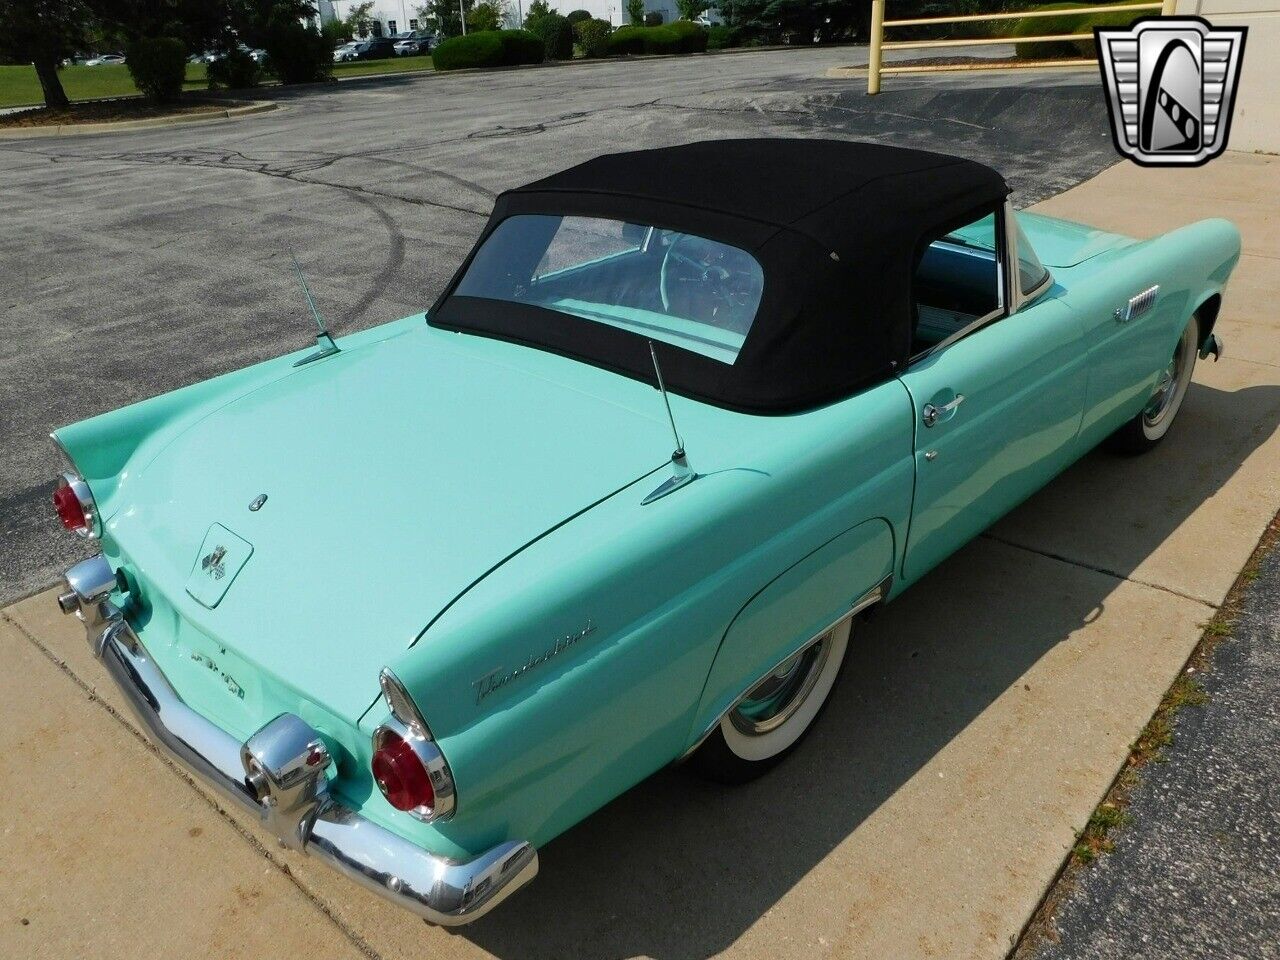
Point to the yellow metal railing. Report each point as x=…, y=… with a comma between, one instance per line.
x=876, y=67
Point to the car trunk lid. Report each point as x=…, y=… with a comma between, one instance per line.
x=316, y=526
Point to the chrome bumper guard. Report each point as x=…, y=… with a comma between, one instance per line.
x=280, y=774
x=1212, y=347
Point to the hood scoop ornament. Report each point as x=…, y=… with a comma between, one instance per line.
x=681, y=473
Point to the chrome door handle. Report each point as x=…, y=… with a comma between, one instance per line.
x=931, y=414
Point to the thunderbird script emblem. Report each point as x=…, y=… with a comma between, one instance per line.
x=212, y=563
x=496, y=679
x=1171, y=83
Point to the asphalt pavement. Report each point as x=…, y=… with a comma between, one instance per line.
x=1196, y=871
x=135, y=263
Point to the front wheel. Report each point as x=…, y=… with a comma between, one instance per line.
x=770, y=720
x=1149, y=427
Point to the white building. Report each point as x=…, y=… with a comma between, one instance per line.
x=392, y=16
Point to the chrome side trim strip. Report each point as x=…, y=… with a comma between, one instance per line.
x=279, y=774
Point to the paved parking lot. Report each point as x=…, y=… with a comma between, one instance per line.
x=989, y=708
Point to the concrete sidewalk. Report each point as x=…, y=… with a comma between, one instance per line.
x=983, y=717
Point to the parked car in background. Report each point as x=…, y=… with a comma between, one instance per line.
x=424, y=599
x=345, y=53
x=412, y=47
x=375, y=48
x=104, y=58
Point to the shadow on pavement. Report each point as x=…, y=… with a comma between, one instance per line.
x=677, y=868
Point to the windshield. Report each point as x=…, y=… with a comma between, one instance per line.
x=678, y=288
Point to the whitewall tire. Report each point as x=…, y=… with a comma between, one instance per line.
x=771, y=719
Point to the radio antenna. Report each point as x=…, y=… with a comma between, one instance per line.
x=681, y=472
x=325, y=345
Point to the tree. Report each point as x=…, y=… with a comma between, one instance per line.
x=487, y=15
x=199, y=24
x=635, y=12
x=444, y=13
x=356, y=22
x=773, y=18
x=43, y=33
x=539, y=8
x=691, y=9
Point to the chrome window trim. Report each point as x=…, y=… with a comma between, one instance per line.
x=1010, y=285
x=1006, y=292
x=1011, y=239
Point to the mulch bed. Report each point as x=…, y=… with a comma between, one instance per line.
x=105, y=111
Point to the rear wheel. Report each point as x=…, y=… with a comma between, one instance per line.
x=773, y=716
x=1149, y=427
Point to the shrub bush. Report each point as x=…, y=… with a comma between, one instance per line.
x=296, y=53
x=653, y=18
x=1064, y=49
x=626, y=40
x=722, y=37
x=158, y=66
x=693, y=38
x=234, y=71
x=578, y=16
x=593, y=37
x=632, y=40
x=556, y=33
x=493, y=48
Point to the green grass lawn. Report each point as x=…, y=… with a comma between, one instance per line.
x=19, y=86
x=397, y=65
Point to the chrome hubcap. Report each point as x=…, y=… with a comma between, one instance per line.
x=1169, y=388
x=771, y=702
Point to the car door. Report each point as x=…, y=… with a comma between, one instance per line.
x=997, y=407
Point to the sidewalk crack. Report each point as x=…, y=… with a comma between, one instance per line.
x=1096, y=569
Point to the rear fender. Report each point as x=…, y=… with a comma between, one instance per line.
x=792, y=609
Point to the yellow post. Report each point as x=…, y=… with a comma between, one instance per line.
x=1170, y=8
x=877, y=38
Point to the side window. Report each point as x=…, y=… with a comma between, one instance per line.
x=957, y=282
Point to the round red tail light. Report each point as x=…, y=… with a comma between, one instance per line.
x=400, y=774
x=70, y=510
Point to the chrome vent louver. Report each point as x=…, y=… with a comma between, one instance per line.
x=1140, y=303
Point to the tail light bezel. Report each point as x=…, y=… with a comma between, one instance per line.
x=84, y=497
x=407, y=724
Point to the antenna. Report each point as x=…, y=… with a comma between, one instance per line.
x=326, y=346
x=681, y=472
x=679, y=451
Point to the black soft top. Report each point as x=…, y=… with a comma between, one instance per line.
x=838, y=227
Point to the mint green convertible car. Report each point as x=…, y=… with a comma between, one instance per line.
x=426, y=597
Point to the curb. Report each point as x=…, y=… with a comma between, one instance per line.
x=122, y=126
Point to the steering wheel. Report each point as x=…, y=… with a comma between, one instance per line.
x=679, y=267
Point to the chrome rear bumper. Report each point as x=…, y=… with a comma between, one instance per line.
x=279, y=774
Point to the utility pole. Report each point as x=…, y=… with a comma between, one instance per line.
x=462, y=13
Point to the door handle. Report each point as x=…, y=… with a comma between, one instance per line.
x=931, y=413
